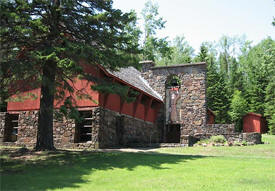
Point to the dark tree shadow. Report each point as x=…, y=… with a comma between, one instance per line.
x=66, y=168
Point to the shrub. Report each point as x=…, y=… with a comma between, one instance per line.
x=218, y=139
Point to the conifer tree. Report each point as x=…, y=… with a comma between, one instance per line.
x=45, y=41
x=216, y=91
x=238, y=108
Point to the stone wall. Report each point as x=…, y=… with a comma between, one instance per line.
x=227, y=130
x=109, y=129
x=63, y=130
x=192, y=103
x=123, y=130
x=255, y=138
x=2, y=125
x=27, y=123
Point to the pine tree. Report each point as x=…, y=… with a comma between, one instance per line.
x=258, y=68
x=216, y=91
x=270, y=105
x=44, y=43
x=269, y=111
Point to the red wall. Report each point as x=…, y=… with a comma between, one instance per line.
x=253, y=122
x=111, y=101
x=30, y=103
x=210, y=117
x=34, y=104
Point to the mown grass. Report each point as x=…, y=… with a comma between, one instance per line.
x=196, y=168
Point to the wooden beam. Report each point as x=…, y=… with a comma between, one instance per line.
x=136, y=103
x=147, y=108
x=106, y=96
x=122, y=102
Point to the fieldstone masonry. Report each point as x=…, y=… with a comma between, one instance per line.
x=124, y=130
x=2, y=125
x=192, y=102
x=112, y=129
x=192, y=105
x=109, y=129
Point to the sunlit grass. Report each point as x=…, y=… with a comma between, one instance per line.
x=195, y=168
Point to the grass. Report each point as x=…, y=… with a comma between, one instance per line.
x=195, y=168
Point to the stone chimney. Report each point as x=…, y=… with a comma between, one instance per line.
x=147, y=65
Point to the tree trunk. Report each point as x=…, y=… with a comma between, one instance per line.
x=45, y=119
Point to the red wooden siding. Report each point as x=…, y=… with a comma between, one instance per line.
x=210, y=117
x=26, y=104
x=112, y=102
x=253, y=122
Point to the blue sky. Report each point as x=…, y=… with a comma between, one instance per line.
x=208, y=20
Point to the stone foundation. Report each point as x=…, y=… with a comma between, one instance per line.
x=109, y=129
x=227, y=130
x=124, y=130
x=2, y=125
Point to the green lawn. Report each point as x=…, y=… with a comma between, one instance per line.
x=196, y=168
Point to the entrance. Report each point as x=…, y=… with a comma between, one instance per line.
x=173, y=133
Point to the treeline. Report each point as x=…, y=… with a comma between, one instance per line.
x=240, y=77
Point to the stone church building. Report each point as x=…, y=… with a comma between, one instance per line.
x=170, y=107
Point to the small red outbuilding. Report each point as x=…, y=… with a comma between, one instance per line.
x=210, y=116
x=253, y=122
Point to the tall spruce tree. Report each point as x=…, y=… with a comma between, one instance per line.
x=270, y=105
x=44, y=42
x=269, y=111
x=258, y=70
x=216, y=91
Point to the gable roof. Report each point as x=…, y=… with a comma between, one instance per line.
x=133, y=77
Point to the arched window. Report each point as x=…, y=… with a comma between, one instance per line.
x=173, y=81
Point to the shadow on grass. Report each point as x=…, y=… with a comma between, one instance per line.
x=65, y=169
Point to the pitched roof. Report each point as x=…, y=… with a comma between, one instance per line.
x=133, y=77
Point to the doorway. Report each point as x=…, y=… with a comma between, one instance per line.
x=173, y=133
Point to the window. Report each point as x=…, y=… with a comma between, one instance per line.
x=83, y=129
x=173, y=81
x=11, y=128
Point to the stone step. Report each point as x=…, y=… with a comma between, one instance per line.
x=86, y=133
x=87, y=126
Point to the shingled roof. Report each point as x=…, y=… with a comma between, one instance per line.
x=133, y=77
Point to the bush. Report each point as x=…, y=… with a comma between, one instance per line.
x=218, y=139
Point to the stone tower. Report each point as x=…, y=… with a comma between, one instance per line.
x=183, y=89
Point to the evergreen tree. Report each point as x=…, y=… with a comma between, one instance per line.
x=270, y=105
x=269, y=111
x=259, y=71
x=216, y=91
x=238, y=108
x=45, y=42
